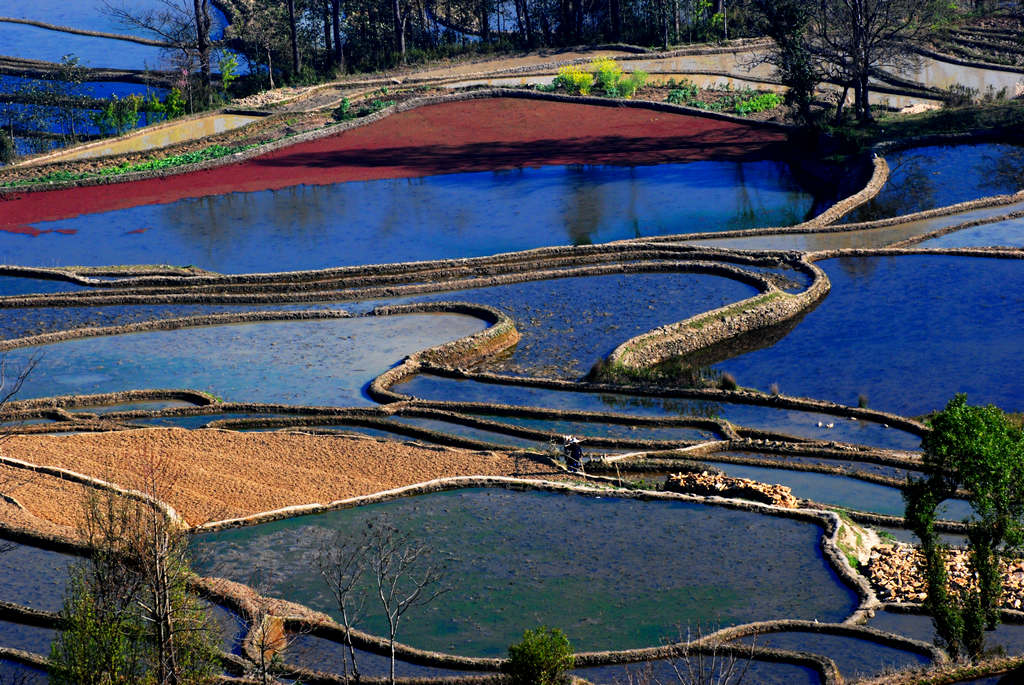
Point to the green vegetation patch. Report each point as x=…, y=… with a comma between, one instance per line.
x=185, y=158
x=995, y=117
x=738, y=308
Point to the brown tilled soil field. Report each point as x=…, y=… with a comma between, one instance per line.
x=209, y=475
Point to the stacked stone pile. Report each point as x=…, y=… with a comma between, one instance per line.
x=897, y=573
x=707, y=483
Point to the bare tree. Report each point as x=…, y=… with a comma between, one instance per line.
x=343, y=562
x=402, y=572
x=184, y=23
x=406, y=577
x=712, y=664
x=854, y=38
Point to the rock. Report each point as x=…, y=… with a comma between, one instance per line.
x=739, y=488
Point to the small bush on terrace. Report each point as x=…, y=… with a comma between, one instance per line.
x=632, y=83
x=541, y=658
x=758, y=103
x=574, y=80
x=607, y=74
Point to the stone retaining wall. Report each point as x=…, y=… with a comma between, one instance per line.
x=771, y=308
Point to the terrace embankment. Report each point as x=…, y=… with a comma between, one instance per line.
x=222, y=474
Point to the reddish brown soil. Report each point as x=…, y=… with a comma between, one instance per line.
x=209, y=475
x=453, y=137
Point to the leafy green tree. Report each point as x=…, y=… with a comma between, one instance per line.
x=98, y=645
x=976, y=449
x=7, y=150
x=788, y=23
x=130, y=615
x=541, y=658
x=118, y=115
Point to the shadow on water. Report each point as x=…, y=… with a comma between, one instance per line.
x=940, y=175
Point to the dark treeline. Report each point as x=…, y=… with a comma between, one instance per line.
x=294, y=37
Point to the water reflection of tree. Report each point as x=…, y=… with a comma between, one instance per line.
x=584, y=209
x=1004, y=171
x=702, y=409
x=858, y=267
x=911, y=187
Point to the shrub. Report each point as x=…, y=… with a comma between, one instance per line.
x=174, y=103
x=118, y=115
x=574, y=80
x=727, y=382
x=343, y=112
x=7, y=150
x=541, y=658
x=684, y=94
x=958, y=95
x=758, y=103
x=632, y=83
x=607, y=74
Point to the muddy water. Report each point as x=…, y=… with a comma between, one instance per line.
x=1008, y=233
x=453, y=215
x=301, y=362
x=939, y=74
x=1003, y=233
x=163, y=136
x=536, y=558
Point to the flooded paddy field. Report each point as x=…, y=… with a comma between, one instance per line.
x=875, y=335
x=606, y=592
x=936, y=176
x=265, y=362
x=569, y=324
x=664, y=670
x=431, y=217
x=793, y=422
x=897, y=333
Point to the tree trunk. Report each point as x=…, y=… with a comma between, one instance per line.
x=615, y=10
x=864, y=100
x=485, y=22
x=841, y=103
x=201, y=9
x=339, y=55
x=664, y=24
x=328, y=49
x=292, y=35
x=396, y=11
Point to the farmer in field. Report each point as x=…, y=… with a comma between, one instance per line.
x=573, y=453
